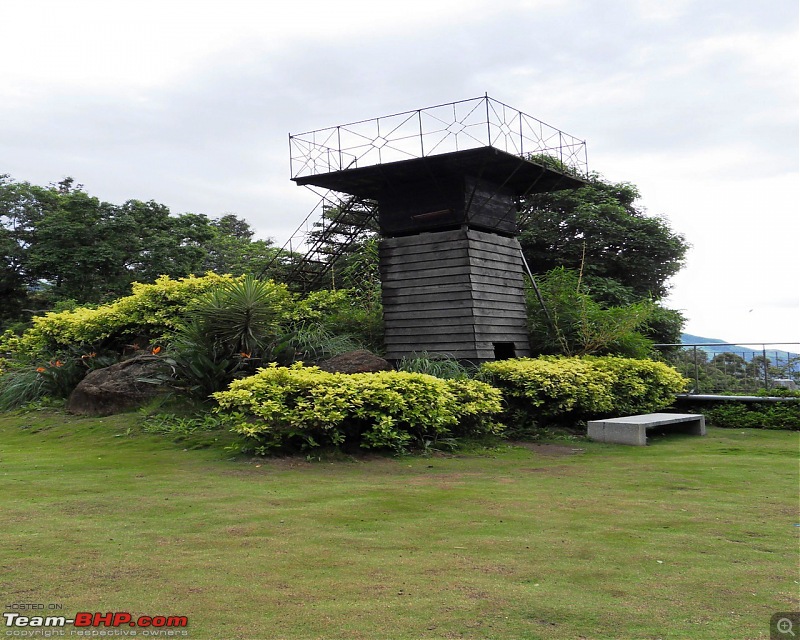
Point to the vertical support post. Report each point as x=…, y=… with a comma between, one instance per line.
x=378, y=127
x=585, y=159
x=339, y=144
x=488, y=126
x=539, y=294
x=696, y=372
x=766, y=366
x=421, y=136
x=291, y=159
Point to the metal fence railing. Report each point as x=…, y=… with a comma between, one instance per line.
x=744, y=367
x=456, y=126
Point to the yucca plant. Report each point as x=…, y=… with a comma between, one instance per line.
x=231, y=329
x=241, y=315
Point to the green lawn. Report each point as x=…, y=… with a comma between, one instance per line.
x=687, y=538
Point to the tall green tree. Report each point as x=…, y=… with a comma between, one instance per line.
x=624, y=255
x=159, y=243
x=231, y=248
x=48, y=237
x=59, y=243
x=73, y=247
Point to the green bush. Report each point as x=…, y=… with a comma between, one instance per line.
x=154, y=313
x=151, y=314
x=55, y=377
x=301, y=407
x=355, y=314
x=210, y=329
x=567, y=320
x=434, y=364
x=228, y=329
x=559, y=390
x=752, y=415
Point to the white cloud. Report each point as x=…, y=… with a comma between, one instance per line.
x=658, y=11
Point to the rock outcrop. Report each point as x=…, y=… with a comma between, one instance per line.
x=360, y=361
x=116, y=388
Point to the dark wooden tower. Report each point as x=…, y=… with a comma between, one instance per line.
x=451, y=268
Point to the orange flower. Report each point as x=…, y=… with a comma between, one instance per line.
x=59, y=363
x=88, y=355
x=155, y=350
x=41, y=369
x=244, y=355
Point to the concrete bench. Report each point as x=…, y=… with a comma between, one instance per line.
x=633, y=429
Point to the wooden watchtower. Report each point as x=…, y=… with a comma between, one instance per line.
x=451, y=267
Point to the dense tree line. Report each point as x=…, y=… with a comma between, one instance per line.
x=59, y=244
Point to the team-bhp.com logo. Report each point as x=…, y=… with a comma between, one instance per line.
x=86, y=619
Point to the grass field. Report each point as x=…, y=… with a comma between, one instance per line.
x=687, y=538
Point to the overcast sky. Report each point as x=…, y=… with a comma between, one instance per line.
x=191, y=103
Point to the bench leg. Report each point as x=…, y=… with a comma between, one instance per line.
x=616, y=433
x=698, y=427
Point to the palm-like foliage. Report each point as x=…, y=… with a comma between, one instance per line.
x=231, y=329
x=240, y=316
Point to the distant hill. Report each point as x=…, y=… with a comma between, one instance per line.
x=725, y=347
x=747, y=353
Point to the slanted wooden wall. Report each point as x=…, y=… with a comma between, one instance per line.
x=434, y=202
x=454, y=292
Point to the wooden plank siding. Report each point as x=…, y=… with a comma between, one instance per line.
x=455, y=292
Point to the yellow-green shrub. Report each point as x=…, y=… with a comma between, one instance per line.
x=317, y=306
x=283, y=407
x=554, y=389
x=641, y=386
x=343, y=311
x=152, y=310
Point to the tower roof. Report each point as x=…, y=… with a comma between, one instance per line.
x=480, y=137
x=520, y=175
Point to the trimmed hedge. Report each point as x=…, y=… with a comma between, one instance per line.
x=749, y=415
x=554, y=389
x=301, y=407
x=152, y=312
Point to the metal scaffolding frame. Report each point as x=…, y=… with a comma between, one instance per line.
x=455, y=126
x=321, y=239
